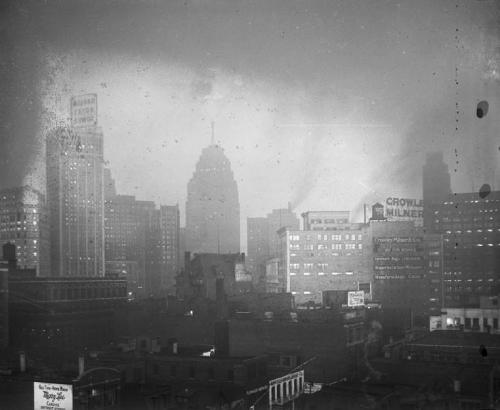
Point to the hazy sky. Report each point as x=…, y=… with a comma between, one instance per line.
x=327, y=104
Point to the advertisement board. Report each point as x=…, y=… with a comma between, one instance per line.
x=84, y=110
x=405, y=209
x=49, y=396
x=356, y=298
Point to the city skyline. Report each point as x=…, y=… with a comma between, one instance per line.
x=346, y=99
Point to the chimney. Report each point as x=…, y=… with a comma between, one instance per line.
x=81, y=365
x=22, y=362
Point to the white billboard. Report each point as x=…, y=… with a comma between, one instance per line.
x=84, y=110
x=286, y=388
x=49, y=396
x=356, y=298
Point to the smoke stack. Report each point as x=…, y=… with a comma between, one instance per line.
x=81, y=365
x=22, y=362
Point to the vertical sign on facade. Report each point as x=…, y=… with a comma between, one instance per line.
x=84, y=110
x=49, y=396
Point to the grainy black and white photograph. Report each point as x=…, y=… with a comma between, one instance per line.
x=249, y=204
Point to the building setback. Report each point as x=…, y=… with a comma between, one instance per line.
x=75, y=197
x=212, y=206
x=24, y=223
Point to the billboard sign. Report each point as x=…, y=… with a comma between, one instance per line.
x=356, y=298
x=286, y=388
x=405, y=209
x=84, y=110
x=49, y=396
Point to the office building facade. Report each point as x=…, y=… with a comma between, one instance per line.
x=75, y=193
x=332, y=257
x=470, y=227
x=24, y=223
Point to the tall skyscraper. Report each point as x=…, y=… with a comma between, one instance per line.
x=212, y=206
x=24, y=223
x=75, y=192
x=435, y=183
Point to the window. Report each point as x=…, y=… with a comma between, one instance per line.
x=365, y=287
x=308, y=247
x=336, y=237
x=350, y=246
x=467, y=323
x=308, y=266
x=360, y=237
x=336, y=246
x=360, y=246
x=294, y=246
x=475, y=323
x=495, y=323
x=294, y=266
x=294, y=237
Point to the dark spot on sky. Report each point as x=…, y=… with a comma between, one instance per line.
x=484, y=191
x=482, y=109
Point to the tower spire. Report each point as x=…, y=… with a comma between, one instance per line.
x=213, y=133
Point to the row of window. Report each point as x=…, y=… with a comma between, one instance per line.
x=321, y=273
x=320, y=247
x=470, y=323
x=326, y=237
